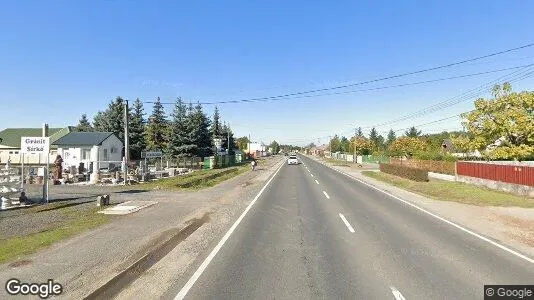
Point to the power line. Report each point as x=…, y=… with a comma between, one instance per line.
x=370, y=81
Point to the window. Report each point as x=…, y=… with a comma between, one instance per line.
x=86, y=154
x=16, y=152
x=10, y=152
x=113, y=150
x=106, y=154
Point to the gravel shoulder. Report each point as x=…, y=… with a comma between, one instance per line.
x=87, y=261
x=512, y=226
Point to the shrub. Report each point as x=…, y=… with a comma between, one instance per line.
x=434, y=155
x=414, y=174
x=442, y=167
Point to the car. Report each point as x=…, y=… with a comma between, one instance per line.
x=293, y=160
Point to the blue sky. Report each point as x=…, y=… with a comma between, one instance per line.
x=60, y=59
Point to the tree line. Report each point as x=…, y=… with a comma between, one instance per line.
x=186, y=132
x=499, y=128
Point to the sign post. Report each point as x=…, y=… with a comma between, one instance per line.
x=38, y=145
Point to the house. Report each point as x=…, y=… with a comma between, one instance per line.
x=10, y=144
x=256, y=149
x=447, y=146
x=103, y=148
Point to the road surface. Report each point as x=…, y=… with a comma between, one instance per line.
x=317, y=234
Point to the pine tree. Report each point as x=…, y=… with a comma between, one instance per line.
x=111, y=120
x=216, y=124
x=156, y=130
x=180, y=140
x=136, y=130
x=391, y=137
x=413, y=132
x=359, y=132
x=200, y=132
x=227, y=134
x=84, y=125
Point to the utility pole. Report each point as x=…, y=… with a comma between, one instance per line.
x=126, y=143
x=354, y=146
x=228, y=143
x=248, y=144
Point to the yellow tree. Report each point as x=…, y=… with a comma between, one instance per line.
x=362, y=145
x=503, y=127
x=407, y=146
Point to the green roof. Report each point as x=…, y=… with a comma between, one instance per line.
x=10, y=137
x=83, y=138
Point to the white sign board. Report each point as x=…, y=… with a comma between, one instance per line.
x=151, y=154
x=35, y=145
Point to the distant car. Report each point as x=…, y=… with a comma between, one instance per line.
x=293, y=160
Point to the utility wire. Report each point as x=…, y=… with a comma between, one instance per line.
x=373, y=80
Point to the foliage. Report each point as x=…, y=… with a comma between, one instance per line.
x=199, y=133
x=412, y=132
x=275, y=146
x=180, y=142
x=391, y=137
x=434, y=155
x=462, y=143
x=377, y=139
x=84, y=125
x=345, y=145
x=335, y=144
x=359, y=132
x=216, y=130
x=228, y=136
x=508, y=117
x=156, y=130
x=405, y=172
x=136, y=130
x=406, y=146
x=242, y=143
x=362, y=145
x=111, y=120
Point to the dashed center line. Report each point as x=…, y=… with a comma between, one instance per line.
x=326, y=195
x=316, y=181
x=349, y=226
x=396, y=293
x=311, y=174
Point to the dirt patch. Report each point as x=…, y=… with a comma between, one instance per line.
x=518, y=229
x=20, y=263
x=246, y=184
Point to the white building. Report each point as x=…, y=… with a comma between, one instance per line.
x=103, y=148
x=256, y=149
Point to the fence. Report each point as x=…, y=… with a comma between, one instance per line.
x=509, y=173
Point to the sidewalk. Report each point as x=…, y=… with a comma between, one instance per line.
x=512, y=226
x=85, y=262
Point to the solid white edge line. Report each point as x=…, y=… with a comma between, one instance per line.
x=346, y=223
x=396, y=293
x=530, y=260
x=326, y=195
x=185, y=289
x=316, y=181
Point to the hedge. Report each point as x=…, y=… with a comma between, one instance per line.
x=442, y=167
x=405, y=171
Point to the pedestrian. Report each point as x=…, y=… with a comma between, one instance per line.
x=253, y=164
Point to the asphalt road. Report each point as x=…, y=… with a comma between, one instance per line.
x=317, y=234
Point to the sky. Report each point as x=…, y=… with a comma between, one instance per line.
x=62, y=59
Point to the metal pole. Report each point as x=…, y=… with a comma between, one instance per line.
x=126, y=143
x=22, y=174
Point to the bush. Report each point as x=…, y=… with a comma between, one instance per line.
x=405, y=172
x=436, y=166
x=434, y=155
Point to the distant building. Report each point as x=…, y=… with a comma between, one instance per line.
x=256, y=149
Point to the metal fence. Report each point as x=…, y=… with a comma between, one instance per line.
x=516, y=174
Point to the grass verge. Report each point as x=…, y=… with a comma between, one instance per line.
x=198, y=179
x=76, y=221
x=454, y=191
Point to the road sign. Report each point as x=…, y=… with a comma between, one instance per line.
x=35, y=145
x=151, y=154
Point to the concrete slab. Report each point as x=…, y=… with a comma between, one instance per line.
x=127, y=207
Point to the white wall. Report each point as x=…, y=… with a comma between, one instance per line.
x=16, y=157
x=97, y=153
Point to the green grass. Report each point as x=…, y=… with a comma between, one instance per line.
x=454, y=191
x=198, y=179
x=76, y=221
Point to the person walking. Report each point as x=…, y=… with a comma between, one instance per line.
x=253, y=163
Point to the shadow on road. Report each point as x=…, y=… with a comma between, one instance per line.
x=132, y=192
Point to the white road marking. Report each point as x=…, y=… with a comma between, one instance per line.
x=316, y=181
x=326, y=195
x=396, y=293
x=311, y=174
x=346, y=223
x=530, y=260
x=183, y=292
